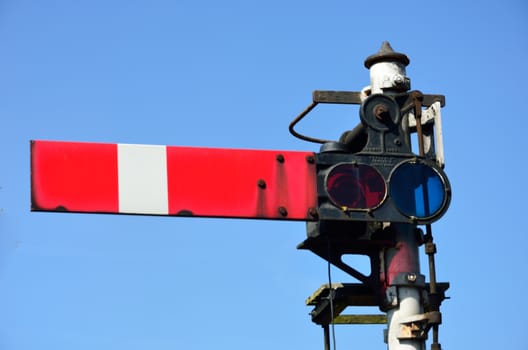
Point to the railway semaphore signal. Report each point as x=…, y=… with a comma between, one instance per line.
x=368, y=193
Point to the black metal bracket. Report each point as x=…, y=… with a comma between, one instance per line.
x=332, y=241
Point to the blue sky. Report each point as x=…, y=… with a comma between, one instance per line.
x=233, y=74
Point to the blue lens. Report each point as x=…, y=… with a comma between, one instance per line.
x=417, y=190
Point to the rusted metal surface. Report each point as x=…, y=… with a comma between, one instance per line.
x=360, y=319
x=354, y=97
x=343, y=295
x=337, y=97
x=417, y=327
x=417, y=98
x=346, y=295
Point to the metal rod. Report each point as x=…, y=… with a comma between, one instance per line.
x=417, y=98
x=326, y=329
x=297, y=119
x=431, y=250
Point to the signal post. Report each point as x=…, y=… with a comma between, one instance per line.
x=368, y=193
x=403, y=279
x=373, y=192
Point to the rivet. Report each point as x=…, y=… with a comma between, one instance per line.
x=283, y=211
x=398, y=79
x=261, y=184
x=280, y=158
x=411, y=277
x=310, y=159
x=313, y=212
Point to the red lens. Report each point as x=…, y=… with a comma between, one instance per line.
x=355, y=186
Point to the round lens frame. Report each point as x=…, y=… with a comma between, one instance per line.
x=419, y=190
x=352, y=186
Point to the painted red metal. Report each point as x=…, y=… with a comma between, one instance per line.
x=74, y=176
x=205, y=182
x=404, y=258
x=241, y=183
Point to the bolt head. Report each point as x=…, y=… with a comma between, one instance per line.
x=398, y=79
x=381, y=111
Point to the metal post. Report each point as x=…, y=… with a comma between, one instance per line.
x=405, y=284
x=402, y=269
x=326, y=329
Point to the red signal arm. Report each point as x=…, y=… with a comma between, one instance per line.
x=204, y=182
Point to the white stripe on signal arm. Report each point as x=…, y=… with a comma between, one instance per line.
x=142, y=179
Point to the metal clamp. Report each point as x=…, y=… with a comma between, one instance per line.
x=417, y=327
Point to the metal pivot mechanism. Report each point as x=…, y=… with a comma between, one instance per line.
x=373, y=193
